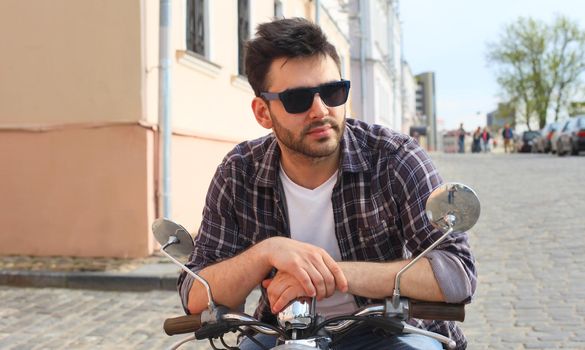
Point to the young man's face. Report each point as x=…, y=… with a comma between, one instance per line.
x=316, y=132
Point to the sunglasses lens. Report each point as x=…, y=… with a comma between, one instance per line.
x=300, y=100
x=334, y=94
x=297, y=100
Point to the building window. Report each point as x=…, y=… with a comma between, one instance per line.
x=243, y=32
x=196, y=27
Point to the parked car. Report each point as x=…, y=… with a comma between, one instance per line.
x=526, y=142
x=555, y=136
x=572, y=138
x=542, y=142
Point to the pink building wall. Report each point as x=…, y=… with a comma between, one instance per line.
x=77, y=191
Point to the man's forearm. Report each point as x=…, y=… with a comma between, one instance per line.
x=376, y=280
x=230, y=280
x=233, y=279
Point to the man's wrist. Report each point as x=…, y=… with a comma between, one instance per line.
x=370, y=279
x=262, y=254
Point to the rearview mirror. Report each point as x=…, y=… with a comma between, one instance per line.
x=453, y=205
x=165, y=231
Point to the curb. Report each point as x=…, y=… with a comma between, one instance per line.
x=87, y=280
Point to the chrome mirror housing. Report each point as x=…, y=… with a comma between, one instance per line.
x=166, y=231
x=453, y=205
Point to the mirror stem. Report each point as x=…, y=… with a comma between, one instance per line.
x=173, y=240
x=396, y=294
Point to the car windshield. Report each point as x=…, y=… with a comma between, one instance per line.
x=566, y=126
x=529, y=135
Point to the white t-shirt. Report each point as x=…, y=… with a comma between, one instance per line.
x=310, y=214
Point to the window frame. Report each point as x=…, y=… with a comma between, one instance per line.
x=243, y=26
x=205, y=53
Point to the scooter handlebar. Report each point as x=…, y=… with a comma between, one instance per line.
x=182, y=324
x=416, y=309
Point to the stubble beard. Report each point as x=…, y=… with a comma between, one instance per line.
x=301, y=144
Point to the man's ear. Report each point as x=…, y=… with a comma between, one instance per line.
x=261, y=112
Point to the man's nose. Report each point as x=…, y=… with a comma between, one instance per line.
x=318, y=108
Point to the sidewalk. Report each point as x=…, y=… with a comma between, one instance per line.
x=151, y=273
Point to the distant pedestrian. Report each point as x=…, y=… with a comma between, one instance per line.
x=507, y=134
x=476, y=144
x=485, y=139
x=461, y=139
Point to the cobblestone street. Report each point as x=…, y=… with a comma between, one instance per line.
x=529, y=246
x=528, y=243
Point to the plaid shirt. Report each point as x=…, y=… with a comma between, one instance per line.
x=378, y=207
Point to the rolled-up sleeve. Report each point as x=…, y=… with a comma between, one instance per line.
x=452, y=277
x=452, y=260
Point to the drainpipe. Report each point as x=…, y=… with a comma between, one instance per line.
x=363, y=41
x=164, y=104
x=317, y=11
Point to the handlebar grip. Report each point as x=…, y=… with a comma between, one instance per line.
x=436, y=311
x=182, y=324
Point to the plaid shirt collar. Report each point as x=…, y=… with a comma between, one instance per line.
x=353, y=159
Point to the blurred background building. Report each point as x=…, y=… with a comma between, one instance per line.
x=409, y=112
x=376, y=62
x=426, y=108
x=89, y=89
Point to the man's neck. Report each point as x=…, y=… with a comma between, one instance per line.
x=309, y=172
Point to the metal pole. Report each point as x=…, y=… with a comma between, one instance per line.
x=164, y=110
x=317, y=12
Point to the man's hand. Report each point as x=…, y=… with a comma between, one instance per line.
x=282, y=289
x=313, y=268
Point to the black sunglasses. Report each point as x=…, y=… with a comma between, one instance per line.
x=299, y=100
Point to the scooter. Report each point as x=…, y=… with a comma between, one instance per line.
x=452, y=207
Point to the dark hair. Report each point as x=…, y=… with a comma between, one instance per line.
x=290, y=38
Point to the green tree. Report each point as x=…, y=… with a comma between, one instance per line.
x=538, y=66
x=576, y=108
x=506, y=114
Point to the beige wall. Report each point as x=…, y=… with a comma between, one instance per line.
x=194, y=162
x=69, y=61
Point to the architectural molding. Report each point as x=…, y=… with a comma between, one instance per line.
x=241, y=82
x=198, y=63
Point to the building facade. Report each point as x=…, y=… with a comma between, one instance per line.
x=376, y=62
x=409, y=99
x=79, y=115
x=426, y=107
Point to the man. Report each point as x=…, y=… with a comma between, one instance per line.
x=507, y=134
x=333, y=205
x=485, y=138
x=461, y=139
